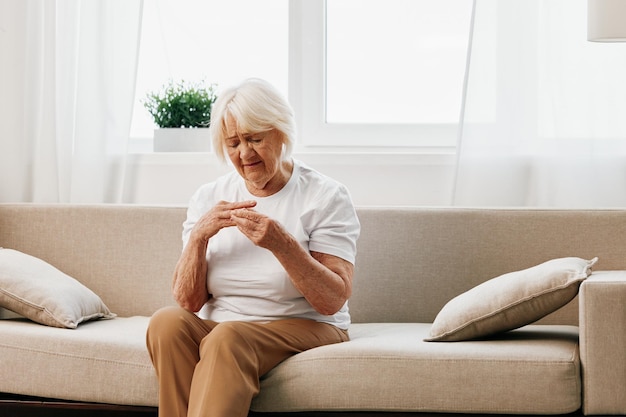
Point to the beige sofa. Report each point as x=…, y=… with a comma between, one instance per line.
x=410, y=263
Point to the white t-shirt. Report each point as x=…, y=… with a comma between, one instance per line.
x=247, y=282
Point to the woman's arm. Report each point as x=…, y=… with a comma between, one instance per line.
x=189, y=286
x=324, y=280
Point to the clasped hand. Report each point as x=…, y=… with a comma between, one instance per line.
x=257, y=227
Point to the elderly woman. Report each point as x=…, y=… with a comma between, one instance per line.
x=266, y=267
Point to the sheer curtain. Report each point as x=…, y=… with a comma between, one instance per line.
x=68, y=80
x=544, y=119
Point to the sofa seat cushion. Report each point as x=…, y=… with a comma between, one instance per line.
x=531, y=370
x=100, y=361
x=385, y=367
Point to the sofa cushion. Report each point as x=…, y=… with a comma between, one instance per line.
x=388, y=367
x=37, y=290
x=511, y=300
x=103, y=361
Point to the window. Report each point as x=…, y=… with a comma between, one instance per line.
x=401, y=61
x=219, y=41
x=359, y=73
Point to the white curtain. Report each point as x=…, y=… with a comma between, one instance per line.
x=544, y=119
x=67, y=82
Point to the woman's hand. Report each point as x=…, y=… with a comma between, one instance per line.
x=324, y=280
x=259, y=228
x=219, y=217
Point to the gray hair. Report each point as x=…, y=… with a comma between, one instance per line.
x=257, y=106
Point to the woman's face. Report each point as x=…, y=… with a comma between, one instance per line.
x=258, y=158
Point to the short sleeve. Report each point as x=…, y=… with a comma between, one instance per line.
x=334, y=227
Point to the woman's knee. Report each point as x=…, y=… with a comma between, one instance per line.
x=229, y=332
x=165, y=319
x=229, y=336
x=172, y=323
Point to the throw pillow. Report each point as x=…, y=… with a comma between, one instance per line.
x=40, y=292
x=511, y=300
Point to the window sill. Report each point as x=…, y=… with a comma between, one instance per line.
x=313, y=158
x=141, y=150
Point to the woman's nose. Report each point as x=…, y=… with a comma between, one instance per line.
x=245, y=150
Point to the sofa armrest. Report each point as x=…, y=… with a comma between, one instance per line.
x=603, y=342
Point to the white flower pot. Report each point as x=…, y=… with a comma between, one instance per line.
x=182, y=140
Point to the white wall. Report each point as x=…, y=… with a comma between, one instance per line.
x=379, y=179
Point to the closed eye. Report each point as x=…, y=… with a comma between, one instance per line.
x=253, y=139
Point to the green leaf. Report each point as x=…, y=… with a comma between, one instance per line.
x=181, y=104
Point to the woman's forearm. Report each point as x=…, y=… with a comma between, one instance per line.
x=189, y=286
x=324, y=280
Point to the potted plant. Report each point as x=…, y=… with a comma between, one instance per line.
x=182, y=112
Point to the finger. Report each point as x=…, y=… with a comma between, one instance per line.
x=223, y=209
x=242, y=204
x=246, y=215
x=230, y=205
x=224, y=215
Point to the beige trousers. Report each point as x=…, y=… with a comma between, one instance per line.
x=209, y=369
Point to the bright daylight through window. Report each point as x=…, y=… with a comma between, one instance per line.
x=398, y=61
x=219, y=41
x=369, y=72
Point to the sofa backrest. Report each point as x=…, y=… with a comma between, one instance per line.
x=410, y=261
x=125, y=254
